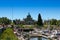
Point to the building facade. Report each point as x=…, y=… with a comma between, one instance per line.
x=28, y=20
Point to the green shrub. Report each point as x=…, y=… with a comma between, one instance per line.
x=8, y=35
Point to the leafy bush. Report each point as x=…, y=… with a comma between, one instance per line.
x=8, y=35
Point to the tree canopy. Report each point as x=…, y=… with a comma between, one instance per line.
x=5, y=20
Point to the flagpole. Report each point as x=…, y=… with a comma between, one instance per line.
x=12, y=14
x=12, y=19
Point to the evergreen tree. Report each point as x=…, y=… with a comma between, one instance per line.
x=39, y=22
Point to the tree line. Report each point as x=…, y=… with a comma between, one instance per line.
x=7, y=21
x=52, y=22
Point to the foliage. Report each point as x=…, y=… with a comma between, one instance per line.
x=16, y=21
x=58, y=22
x=8, y=35
x=25, y=26
x=51, y=28
x=45, y=26
x=53, y=22
x=30, y=26
x=5, y=20
x=20, y=26
x=39, y=22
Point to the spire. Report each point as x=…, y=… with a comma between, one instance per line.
x=28, y=16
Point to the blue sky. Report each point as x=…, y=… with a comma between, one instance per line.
x=47, y=8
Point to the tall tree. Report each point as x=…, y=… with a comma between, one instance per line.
x=39, y=22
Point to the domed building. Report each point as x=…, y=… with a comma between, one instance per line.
x=28, y=20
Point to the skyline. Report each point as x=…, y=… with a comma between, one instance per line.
x=47, y=8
